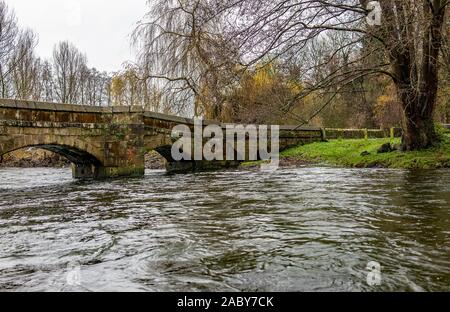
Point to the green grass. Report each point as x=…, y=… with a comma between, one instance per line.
x=347, y=153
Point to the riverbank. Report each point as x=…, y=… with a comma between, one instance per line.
x=364, y=153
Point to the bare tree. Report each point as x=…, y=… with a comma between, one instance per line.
x=95, y=87
x=8, y=36
x=66, y=78
x=46, y=82
x=25, y=67
x=68, y=64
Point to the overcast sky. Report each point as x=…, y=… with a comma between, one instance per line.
x=99, y=28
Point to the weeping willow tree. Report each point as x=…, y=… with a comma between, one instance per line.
x=182, y=50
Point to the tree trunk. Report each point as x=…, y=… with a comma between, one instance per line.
x=414, y=57
x=418, y=132
x=418, y=123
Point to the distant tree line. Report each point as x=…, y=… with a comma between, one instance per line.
x=66, y=77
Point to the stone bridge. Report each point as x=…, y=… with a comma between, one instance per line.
x=105, y=142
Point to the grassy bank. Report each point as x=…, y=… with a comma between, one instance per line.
x=349, y=153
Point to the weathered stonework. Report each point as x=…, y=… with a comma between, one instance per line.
x=105, y=142
x=362, y=133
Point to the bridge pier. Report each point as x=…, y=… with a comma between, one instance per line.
x=88, y=171
x=202, y=165
x=84, y=171
x=117, y=172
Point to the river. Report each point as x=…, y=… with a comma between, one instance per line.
x=302, y=229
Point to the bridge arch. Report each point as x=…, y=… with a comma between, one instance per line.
x=82, y=155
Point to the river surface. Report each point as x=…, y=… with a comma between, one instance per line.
x=303, y=229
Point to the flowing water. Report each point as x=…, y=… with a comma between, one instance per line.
x=304, y=229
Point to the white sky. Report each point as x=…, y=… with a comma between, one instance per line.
x=99, y=28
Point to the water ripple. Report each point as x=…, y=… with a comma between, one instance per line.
x=305, y=229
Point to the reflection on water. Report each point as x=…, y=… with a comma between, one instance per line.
x=300, y=229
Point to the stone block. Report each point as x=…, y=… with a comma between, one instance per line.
x=45, y=106
x=5, y=103
x=24, y=105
